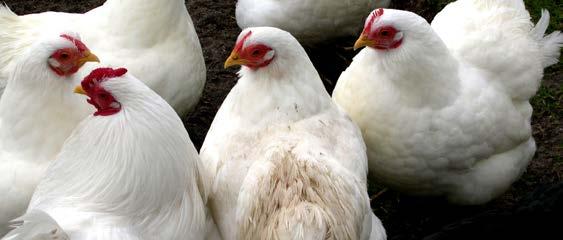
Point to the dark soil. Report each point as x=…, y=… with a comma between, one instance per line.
x=404, y=217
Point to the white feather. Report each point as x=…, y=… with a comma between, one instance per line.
x=36, y=225
x=37, y=113
x=163, y=46
x=550, y=44
x=447, y=113
x=131, y=175
x=286, y=163
x=310, y=21
x=37, y=116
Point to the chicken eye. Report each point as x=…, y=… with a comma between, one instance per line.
x=103, y=96
x=64, y=56
x=385, y=33
x=256, y=53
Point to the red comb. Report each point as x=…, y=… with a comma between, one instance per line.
x=379, y=12
x=238, y=46
x=374, y=16
x=79, y=44
x=99, y=75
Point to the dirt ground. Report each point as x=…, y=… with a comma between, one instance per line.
x=404, y=217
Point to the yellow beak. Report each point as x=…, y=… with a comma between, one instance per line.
x=78, y=89
x=235, y=60
x=88, y=57
x=362, y=42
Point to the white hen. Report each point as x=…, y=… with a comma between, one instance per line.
x=155, y=39
x=447, y=112
x=37, y=113
x=129, y=171
x=286, y=162
x=310, y=21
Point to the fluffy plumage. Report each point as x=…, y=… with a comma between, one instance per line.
x=310, y=21
x=37, y=113
x=134, y=174
x=285, y=161
x=447, y=112
x=163, y=48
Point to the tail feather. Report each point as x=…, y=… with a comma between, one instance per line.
x=550, y=44
x=541, y=27
x=36, y=225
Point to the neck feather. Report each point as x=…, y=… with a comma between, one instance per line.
x=138, y=162
x=39, y=109
x=268, y=96
x=422, y=74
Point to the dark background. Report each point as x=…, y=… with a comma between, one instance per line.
x=530, y=209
